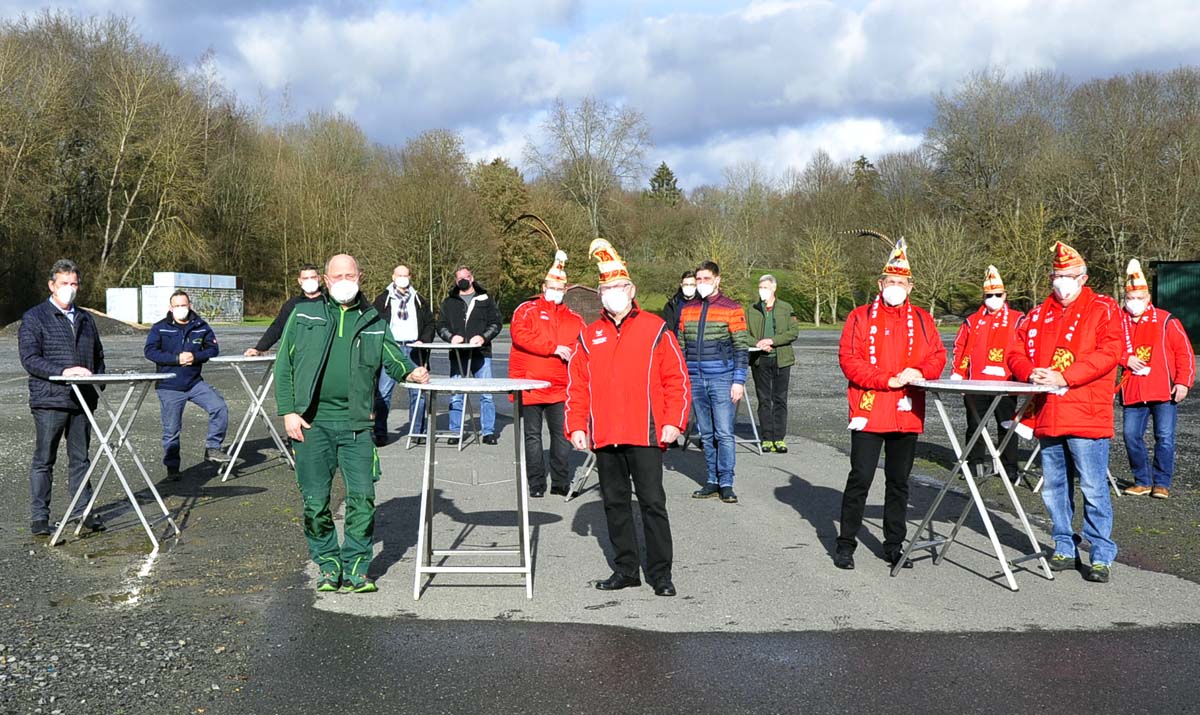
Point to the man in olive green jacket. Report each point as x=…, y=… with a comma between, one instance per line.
x=773, y=328
x=325, y=382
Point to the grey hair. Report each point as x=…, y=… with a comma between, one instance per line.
x=769, y=278
x=64, y=265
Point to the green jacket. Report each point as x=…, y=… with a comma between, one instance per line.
x=304, y=350
x=787, y=329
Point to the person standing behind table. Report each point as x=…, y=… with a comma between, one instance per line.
x=773, y=328
x=712, y=333
x=310, y=289
x=410, y=319
x=180, y=344
x=58, y=338
x=470, y=315
x=979, y=355
x=325, y=388
x=685, y=292
x=885, y=345
x=627, y=399
x=543, y=331
x=1160, y=368
x=1073, y=341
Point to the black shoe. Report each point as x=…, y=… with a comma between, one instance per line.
x=1062, y=562
x=893, y=558
x=617, y=581
x=708, y=492
x=489, y=439
x=379, y=439
x=452, y=441
x=172, y=474
x=728, y=496
x=1098, y=573
x=40, y=527
x=560, y=491
x=418, y=440
x=218, y=455
x=664, y=588
x=537, y=492
x=844, y=560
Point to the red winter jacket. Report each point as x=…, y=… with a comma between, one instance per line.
x=928, y=356
x=1086, y=409
x=1168, y=352
x=538, y=327
x=627, y=382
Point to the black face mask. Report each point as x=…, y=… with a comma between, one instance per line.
x=464, y=284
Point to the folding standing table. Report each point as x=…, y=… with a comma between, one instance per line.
x=456, y=351
x=258, y=396
x=425, y=550
x=996, y=390
x=135, y=384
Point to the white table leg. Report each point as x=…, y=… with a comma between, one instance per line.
x=257, y=396
x=425, y=523
x=522, y=496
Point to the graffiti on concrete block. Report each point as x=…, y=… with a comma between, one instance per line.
x=217, y=305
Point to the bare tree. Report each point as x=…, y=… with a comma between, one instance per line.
x=591, y=150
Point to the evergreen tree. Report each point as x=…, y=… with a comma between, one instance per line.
x=663, y=186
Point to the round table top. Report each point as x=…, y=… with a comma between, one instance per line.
x=984, y=387
x=114, y=378
x=244, y=358
x=445, y=346
x=477, y=384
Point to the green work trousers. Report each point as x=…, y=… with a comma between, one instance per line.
x=328, y=446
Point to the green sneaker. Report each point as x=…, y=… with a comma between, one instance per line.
x=328, y=582
x=358, y=584
x=768, y=447
x=1061, y=562
x=1098, y=573
x=781, y=446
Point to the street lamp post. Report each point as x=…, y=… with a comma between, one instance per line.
x=437, y=224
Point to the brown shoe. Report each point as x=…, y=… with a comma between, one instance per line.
x=1160, y=493
x=1137, y=491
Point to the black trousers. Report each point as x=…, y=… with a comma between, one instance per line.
x=977, y=405
x=553, y=415
x=771, y=386
x=52, y=426
x=618, y=467
x=897, y=464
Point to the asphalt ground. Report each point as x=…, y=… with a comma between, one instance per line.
x=224, y=619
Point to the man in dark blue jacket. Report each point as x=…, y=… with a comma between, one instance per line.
x=57, y=338
x=181, y=343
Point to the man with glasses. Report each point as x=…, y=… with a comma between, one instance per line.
x=1072, y=341
x=627, y=399
x=979, y=355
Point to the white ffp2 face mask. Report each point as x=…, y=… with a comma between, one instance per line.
x=894, y=295
x=705, y=289
x=1066, y=287
x=403, y=282
x=764, y=294
x=180, y=313
x=309, y=285
x=994, y=304
x=688, y=291
x=1136, y=306
x=615, y=301
x=554, y=296
x=65, y=295
x=343, y=291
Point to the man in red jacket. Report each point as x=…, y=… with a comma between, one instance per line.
x=979, y=355
x=885, y=345
x=1159, y=370
x=1073, y=341
x=628, y=399
x=543, y=331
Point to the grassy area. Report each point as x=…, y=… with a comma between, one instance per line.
x=257, y=320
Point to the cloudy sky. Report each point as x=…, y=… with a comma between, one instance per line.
x=719, y=82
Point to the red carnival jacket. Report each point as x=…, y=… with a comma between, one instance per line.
x=538, y=327
x=981, y=343
x=627, y=382
x=1158, y=339
x=1083, y=341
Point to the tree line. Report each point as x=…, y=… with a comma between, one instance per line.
x=129, y=160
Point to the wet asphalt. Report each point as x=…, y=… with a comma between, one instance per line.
x=222, y=621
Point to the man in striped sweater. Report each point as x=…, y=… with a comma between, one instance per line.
x=712, y=331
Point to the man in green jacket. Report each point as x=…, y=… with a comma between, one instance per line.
x=773, y=329
x=325, y=382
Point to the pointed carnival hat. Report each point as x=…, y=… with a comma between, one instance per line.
x=1066, y=257
x=1135, y=278
x=612, y=268
x=992, y=282
x=897, y=263
x=558, y=270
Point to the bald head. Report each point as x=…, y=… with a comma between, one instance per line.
x=343, y=265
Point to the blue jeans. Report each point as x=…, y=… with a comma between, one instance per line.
x=1136, y=416
x=1066, y=460
x=172, y=403
x=52, y=426
x=383, y=403
x=714, y=420
x=478, y=366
